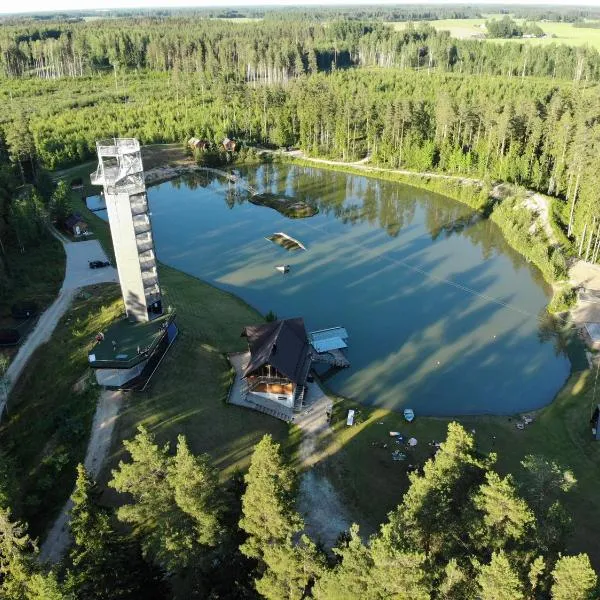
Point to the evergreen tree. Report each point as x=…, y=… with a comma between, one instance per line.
x=499, y=581
x=16, y=557
x=269, y=517
x=194, y=482
x=506, y=518
x=574, y=579
x=351, y=576
x=104, y=565
x=290, y=570
x=59, y=203
x=174, y=506
x=46, y=587
x=432, y=516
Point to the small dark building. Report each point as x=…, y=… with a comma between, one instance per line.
x=279, y=361
x=229, y=145
x=75, y=224
x=198, y=144
x=9, y=337
x=595, y=422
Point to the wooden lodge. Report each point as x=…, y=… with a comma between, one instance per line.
x=279, y=363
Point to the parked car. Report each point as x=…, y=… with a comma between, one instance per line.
x=98, y=264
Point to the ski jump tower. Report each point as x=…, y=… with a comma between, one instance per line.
x=121, y=173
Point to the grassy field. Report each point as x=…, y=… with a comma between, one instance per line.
x=372, y=483
x=559, y=33
x=188, y=393
x=51, y=408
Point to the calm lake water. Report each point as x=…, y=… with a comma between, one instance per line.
x=443, y=316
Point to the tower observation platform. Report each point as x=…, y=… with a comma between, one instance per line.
x=120, y=171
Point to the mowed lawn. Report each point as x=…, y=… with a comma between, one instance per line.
x=372, y=483
x=187, y=394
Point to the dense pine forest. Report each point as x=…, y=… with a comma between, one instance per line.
x=414, y=99
x=338, y=84
x=461, y=532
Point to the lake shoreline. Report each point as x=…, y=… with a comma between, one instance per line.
x=536, y=203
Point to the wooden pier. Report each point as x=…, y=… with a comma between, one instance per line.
x=335, y=358
x=327, y=346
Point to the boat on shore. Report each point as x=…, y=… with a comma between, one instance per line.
x=409, y=414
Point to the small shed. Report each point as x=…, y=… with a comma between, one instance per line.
x=75, y=224
x=229, y=145
x=198, y=144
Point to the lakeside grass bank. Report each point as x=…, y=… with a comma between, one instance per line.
x=516, y=223
x=372, y=484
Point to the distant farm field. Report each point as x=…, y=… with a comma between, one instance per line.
x=558, y=33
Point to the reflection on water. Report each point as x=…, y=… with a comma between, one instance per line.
x=442, y=314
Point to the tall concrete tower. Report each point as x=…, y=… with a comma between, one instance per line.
x=121, y=172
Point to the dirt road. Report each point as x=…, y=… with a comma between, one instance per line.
x=107, y=411
x=324, y=513
x=77, y=274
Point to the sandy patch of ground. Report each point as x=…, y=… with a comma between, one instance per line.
x=585, y=277
x=538, y=205
x=325, y=515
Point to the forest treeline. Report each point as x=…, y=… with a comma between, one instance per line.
x=461, y=532
x=270, y=50
x=539, y=133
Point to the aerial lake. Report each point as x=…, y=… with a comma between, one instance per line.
x=443, y=316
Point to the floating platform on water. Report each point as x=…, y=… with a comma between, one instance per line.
x=328, y=345
x=286, y=241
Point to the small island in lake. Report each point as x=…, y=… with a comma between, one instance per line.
x=288, y=207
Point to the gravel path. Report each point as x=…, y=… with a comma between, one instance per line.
x=107, y=411
x=324, y=513
x=77, y=274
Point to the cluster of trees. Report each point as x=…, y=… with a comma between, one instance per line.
x=461, y=531
x=508, y=28
x=272, y=50
x=26, y=202
x=278, y=82
x=537, y=133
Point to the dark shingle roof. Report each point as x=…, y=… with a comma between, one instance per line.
x=281, y=344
